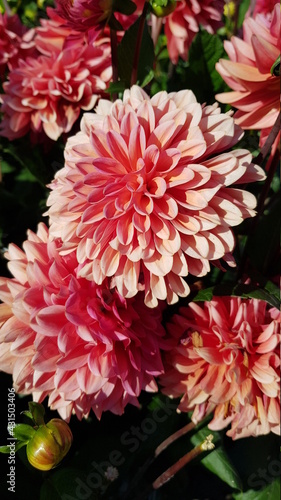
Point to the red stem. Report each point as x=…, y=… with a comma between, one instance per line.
x=114, y=59
x=173, y=437
x=269, y=141
x=169, y=473
x=7, y=8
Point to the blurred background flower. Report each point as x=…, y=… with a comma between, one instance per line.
x=256, y=92
x=46, y=92
x=183, y=23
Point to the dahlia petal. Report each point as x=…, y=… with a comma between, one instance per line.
x=110, y=261
x=125, y=230
x=158, y=264
x=265, y=53
x=194, y=145
x=117, y=147
x=178, y=285
x=141, y=222
x=158, y=287
x=137, y=144
x=88, y=382
x=131, y=275
x=166, y=207
x=49, y=320
x=162, y=134
x=74, y=359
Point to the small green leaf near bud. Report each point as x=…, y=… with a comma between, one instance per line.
x=23, y=432
x=275, y=68
x=37, y=411
x=7, y=449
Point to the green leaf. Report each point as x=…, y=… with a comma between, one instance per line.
x=27, y=414
x=269, y=294
x=7, y=449
x=271, y=492
x=126, y=54
x=217, y=461
x=148, y=78
x=116, y=87
x=205, y=51
x=6, y=167
x=275, y=68
x=204, y=295
x=124, y=6
x=37, y=411
x=243, y=8
x=23, y=432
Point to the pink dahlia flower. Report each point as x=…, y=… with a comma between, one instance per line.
x=263, y=6
x=145, y=195
x=227, y=361
x=47, y=92
x=183, y=24
x=85, y=15
x=81, y=344
x=15, y=41
x=92, y=16
x=256, y=93
x=52, y=36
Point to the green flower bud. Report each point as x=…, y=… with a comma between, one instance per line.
x=163, y=10
x=49, y=445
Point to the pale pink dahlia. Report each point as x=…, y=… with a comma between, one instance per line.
x=47, y=92
x=145, y=197
x=183, y=24
x=81, y=344
x=227, y=361
x=256, y=93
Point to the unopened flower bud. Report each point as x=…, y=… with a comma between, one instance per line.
x=165, y=9
x=49, y=445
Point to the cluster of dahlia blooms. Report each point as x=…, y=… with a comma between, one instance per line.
x=256, y=92
x=147, y=195
x=46, y=92
x=83, y=345
x=146, y=201
x=227, y=362
x=183, y=24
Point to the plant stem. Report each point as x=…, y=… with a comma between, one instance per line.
x=114, y=59
x=169, y=473
x=269, y=141
x=134, y=75
x=173, y=437
x=261, y=201
x=7, y=8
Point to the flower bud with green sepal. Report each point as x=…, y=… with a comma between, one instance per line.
x=46, y=444
x=162, y=8
x=49, y=445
